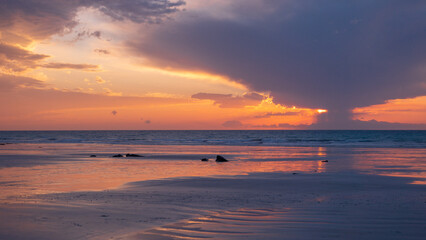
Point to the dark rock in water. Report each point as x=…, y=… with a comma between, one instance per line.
x=204, y=159
x=118, y=155
x=324, y=161
x=294, y=173
x=92, y=155
x=2, y=143
x=220, y=159
x=133, y=155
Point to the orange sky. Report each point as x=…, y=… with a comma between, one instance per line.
x=411, y=110
x=78, y=79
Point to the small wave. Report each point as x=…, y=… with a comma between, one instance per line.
x=388, y=139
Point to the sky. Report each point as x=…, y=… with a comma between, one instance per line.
x=194, y=64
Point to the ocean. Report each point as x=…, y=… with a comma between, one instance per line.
x=294, y=138
x=276, y=185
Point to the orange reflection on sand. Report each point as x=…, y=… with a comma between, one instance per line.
x=85, y=174
x=322, y=151
x=394, y=162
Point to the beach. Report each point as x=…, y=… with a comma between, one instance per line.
x=57, y=191
x=192, y=119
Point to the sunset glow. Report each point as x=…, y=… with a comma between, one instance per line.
x=411, y=110
x=191, y=119
x=65, y=71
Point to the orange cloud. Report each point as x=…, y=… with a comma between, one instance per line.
x=36, y=106
x=100, y=80
x=410, y=110
x=16, y=59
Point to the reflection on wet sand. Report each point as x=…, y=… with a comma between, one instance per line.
x=80, y=173
x=343, y=198
x=395, y=162
x=107, y=173
x=69, y=167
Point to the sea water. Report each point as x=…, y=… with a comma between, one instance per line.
x=308, y=138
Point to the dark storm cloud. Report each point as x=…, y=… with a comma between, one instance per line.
x=43, y=18
x=37, y=18
x=326, y=54
x=139, y=11
x=22, y=21
x=230, y=101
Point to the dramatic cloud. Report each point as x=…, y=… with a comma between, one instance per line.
x=230, y=101
x=323, y=54
x=151, y=11
x=40, y=19
x=348, y=57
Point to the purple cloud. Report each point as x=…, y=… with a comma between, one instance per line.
x=323, y=54
x=41, y=19
x=84, y=67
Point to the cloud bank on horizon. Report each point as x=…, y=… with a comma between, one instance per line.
x=335, y=55
x=322, y=54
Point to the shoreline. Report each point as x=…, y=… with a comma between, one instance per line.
x=171, y=194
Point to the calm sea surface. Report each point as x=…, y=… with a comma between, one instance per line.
x=388, y=139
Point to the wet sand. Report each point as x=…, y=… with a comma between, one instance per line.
x=58, y=192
